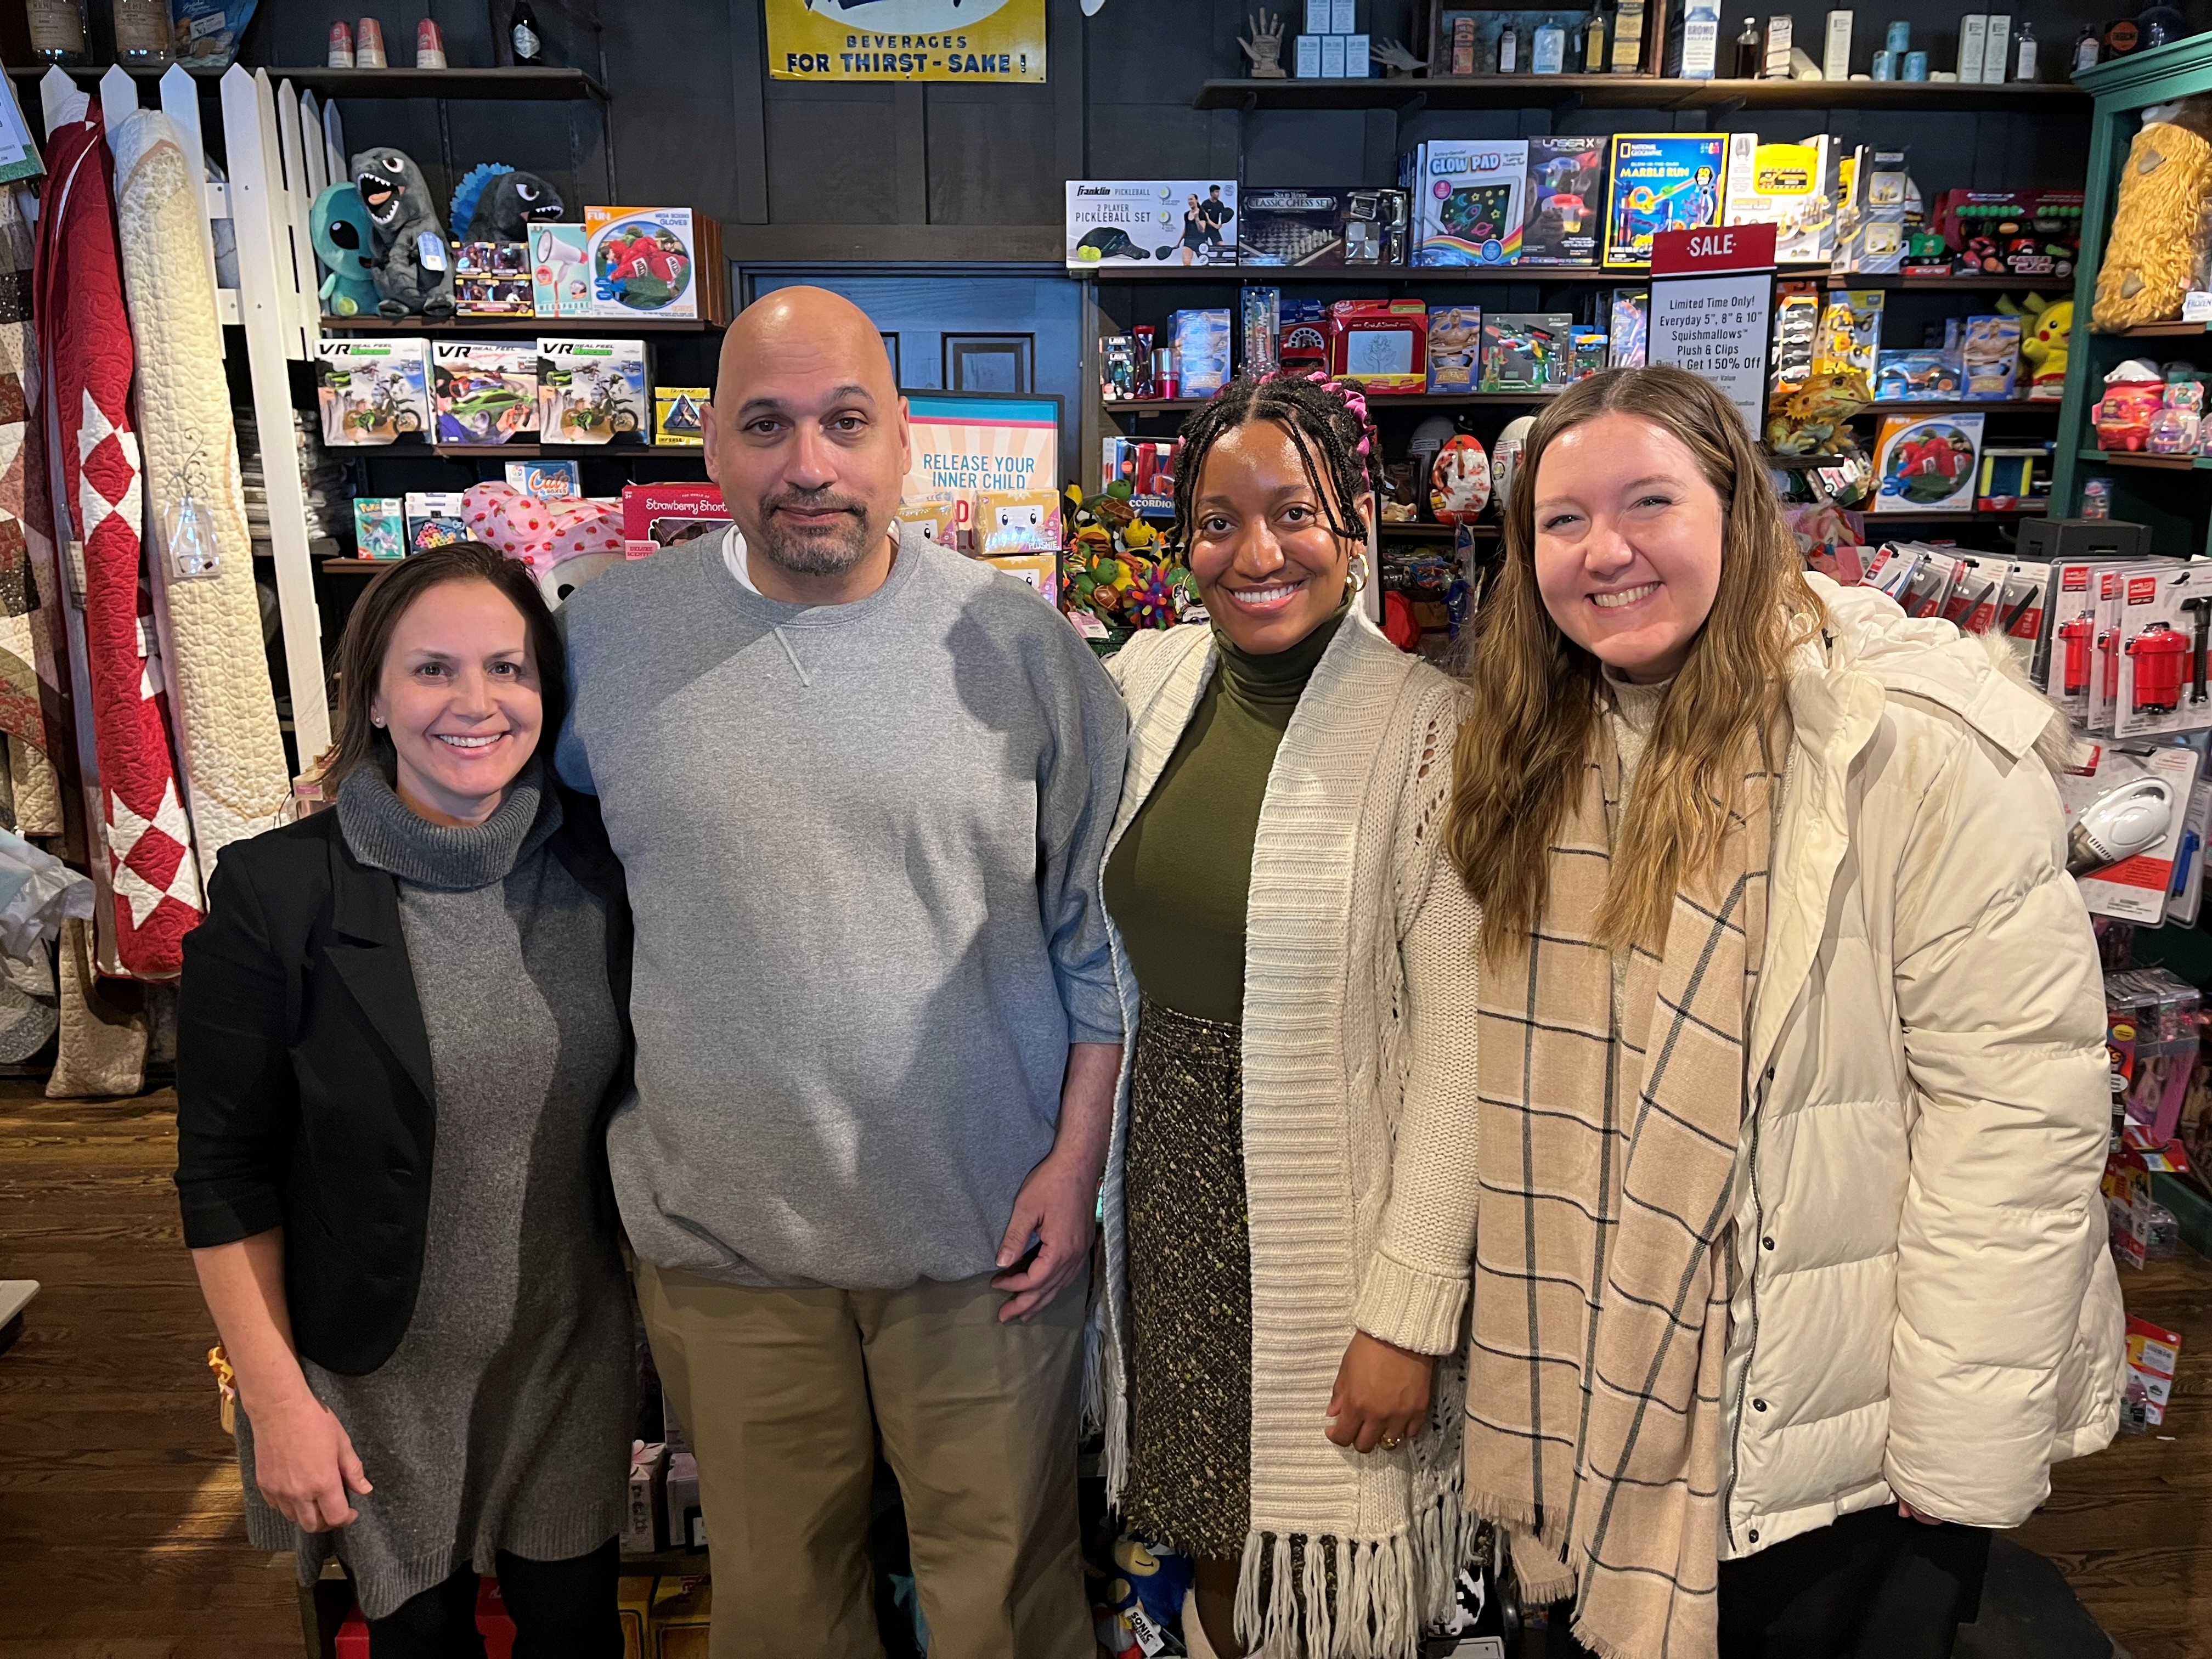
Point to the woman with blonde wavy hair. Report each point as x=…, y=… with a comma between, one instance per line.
x=1790, y=1279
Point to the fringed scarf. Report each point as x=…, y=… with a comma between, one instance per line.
x=1600, y=1292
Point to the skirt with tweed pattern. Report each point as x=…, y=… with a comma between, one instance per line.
x=1190, y=1288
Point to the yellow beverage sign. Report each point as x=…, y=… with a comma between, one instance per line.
x=906, y=40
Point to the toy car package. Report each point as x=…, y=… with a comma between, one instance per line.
x=1466, y=199
x=1789, y=186
x=486, y=393
x=1322, y=226
x=1661, y=181
x=1454, y=348
x=374, y=391
x=1851, y=332
x=1796, y=332
x=590, y=392
x=1928, y=464
x=1527, y=350
x=1150, y=220
x=643, y=261
x=1907, y=377
x=1566, y=193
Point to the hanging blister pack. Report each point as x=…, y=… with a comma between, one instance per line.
x=188, y=532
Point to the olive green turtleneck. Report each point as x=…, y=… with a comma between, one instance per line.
x=1178, y=882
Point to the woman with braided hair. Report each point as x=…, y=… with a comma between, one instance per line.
x=1288, y=1201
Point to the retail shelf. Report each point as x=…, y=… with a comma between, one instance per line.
x=2162, y=463
x=517, y=325
x=355, y=567
x=504, y=85
x=1614, y=276
x=1377, y=401
x=2154, y=330
x=1639, y=92
x=1428, y=532
x=523, y=452
x=1955, y=514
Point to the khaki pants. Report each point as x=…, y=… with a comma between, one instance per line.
x=979, y=1420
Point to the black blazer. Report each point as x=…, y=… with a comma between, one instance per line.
x=304, y=1096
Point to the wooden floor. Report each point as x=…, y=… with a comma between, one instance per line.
x=120, y=1535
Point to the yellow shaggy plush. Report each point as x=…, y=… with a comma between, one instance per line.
x=2152, y=246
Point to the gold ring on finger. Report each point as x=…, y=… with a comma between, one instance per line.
x=1392, y=1441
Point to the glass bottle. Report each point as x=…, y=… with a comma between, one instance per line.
x=2023, y=51
x=142, y=32
x=56, y=30
x=1594, y=47
x=1549, y=53
x=528, y=40
x=2087, y=49
x=1508, y=51
x=1750, y=55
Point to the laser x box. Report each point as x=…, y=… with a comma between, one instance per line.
x=1466, y=198
x=1661, y=181
x=1566, y=197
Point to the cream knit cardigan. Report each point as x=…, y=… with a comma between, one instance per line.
x=1359, y=1139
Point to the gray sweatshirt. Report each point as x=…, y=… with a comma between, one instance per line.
x=863, y=844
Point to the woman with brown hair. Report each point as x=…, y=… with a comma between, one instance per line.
x=1789, y=1277
x=402, y=1026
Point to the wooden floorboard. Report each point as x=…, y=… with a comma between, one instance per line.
x=121, y=1534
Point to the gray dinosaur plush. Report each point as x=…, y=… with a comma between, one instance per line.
x=510, y=205
x=412, y=263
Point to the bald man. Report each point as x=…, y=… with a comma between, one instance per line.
x=862, y=787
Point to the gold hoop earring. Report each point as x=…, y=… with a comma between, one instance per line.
x=1358, y=573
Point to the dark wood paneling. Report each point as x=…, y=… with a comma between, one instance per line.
x=833, y=154
x=986, y=144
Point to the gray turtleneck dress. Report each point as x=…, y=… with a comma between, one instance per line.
x=503, y=1419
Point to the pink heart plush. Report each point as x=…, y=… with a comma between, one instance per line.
x=541, y=534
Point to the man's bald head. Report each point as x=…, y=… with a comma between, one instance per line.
x=826, y=321
x=807, y=436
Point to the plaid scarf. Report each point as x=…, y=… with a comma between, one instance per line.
x=1601, y=1293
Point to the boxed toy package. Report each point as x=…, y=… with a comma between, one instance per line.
x=1797, y=336
x=2164, y=619
x=1870, y=220
x=1989, y=350
x=1566, y=193
x=1527, y=351
x=2184, y=895
x=1908, y=377
x=2135, y=889
x=1039, y=570
x=590, y=392
x=1017, y=521
x=1259, y=330
x=1147, y=466
x=934, y=519
x=1927, y=464
x=643, y=261
x=1789, y=186
x=486, y=393
x=1143, y=221
x=435, y=517
x=1589, y=349
x=1454, y=348
x=1661, y=181
x=2026, y=592
x=560, y=271
x=546, y=481
x=2026, y=233
x=1303, y=342
x=2153, y=1356
x=1979, y=594
x=492, y=279
x=1630, y=329
x=1382, y=345
x=380, y=526
x=677, y=421
x=1200, y=339
x=374, y=390
x=655, y=516
x=1467, y=197
x=1329, y=225
x=1851, y=332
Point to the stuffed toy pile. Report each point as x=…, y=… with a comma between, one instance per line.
x=1118, y=568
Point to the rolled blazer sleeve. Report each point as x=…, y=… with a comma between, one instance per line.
x=237, y=1104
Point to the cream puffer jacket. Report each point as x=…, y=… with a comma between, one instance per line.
x=1924, y=1307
